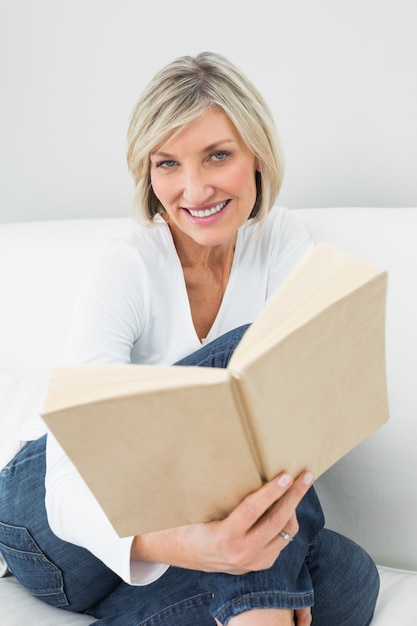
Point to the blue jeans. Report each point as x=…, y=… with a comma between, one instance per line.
x=319, y=568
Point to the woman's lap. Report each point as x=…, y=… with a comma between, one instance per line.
x=342, y=575
x=344, y=578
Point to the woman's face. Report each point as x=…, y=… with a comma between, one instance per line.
x=204, y=177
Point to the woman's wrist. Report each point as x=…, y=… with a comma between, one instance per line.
x=172, y=546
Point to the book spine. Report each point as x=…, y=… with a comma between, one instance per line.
x=238, y=390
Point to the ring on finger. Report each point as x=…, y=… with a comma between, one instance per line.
x=286, y=536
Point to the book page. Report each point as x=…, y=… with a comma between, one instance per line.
x=158, y=447
x=324, y=275
x=316, y=393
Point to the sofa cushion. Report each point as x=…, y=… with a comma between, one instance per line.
x=396, y=602
x=18, y=607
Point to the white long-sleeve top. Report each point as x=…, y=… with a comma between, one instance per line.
x=133, y=308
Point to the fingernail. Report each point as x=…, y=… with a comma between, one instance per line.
x=308, y=478
x=284, y=480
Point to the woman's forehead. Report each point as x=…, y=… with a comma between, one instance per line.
x=208, y=129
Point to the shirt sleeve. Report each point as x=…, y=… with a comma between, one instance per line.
x=109, y=310
x=107, y=321
x=290, y=241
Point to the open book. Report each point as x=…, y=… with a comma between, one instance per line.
x=166, y=446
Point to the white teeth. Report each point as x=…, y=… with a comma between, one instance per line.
x=207, y=212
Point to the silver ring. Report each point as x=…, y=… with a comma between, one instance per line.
x=286, y=536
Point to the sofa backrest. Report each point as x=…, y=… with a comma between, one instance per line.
x=41, y=264
x=371, y=494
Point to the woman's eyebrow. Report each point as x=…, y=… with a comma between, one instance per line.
x=212, y=146
x=218, y=143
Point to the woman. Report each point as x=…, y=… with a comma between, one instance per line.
x=183, y=288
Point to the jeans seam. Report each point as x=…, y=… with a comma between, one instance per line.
x=17, y=460
x=194, y=600
x=223, y=613
x=32, y=554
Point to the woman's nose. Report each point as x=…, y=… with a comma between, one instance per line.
x=197, y=187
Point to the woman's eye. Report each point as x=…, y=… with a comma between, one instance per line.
x=166, y=164
x=219, y=155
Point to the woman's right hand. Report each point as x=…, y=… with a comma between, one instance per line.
x=247, y=540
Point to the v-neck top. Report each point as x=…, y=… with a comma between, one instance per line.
x=133, y=306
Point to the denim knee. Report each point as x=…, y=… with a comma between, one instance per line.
x=232, y=595
x=216, y=353
x=345, y=580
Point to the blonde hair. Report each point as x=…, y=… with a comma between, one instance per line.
x=177, y=95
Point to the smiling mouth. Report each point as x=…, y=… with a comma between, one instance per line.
x=208, y=212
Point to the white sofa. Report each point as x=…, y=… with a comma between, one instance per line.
x=371, y=495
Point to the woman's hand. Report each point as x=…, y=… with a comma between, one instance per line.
x=247, y=540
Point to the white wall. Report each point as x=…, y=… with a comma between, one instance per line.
x=340, y=77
